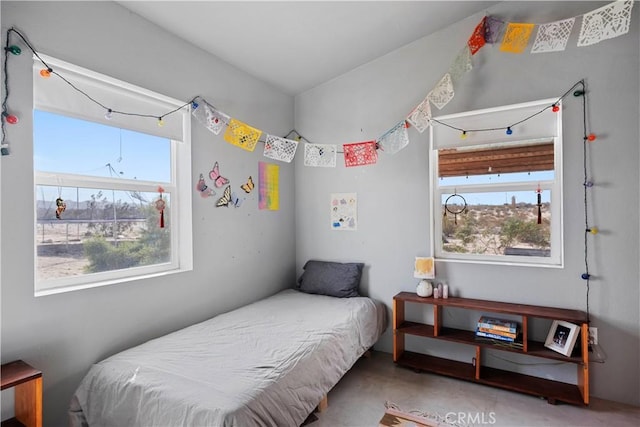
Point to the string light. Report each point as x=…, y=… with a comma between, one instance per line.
x=13, y=49
x=9, y=118
x=463, y=135
x=509, y=128
x=47, y=71
x=587, y=184
x=591, y=137
x=555, y=108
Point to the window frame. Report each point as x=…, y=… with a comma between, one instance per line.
x=178, y=189
x=555, y=186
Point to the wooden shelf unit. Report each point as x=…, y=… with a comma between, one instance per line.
x=474, y=371
x=28, y=393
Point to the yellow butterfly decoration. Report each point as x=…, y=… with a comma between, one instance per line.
x=248, y=186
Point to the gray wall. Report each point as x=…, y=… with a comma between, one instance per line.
x=240, y=255
x=393, y=195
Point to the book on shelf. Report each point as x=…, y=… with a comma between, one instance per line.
x=494, y=336
x=498, y=332
x=487, y=322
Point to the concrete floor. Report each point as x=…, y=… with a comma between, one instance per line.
x=359, y=400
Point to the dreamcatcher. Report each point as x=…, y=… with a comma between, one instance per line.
x=455, y=212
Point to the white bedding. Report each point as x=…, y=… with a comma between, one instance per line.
x=266, y=364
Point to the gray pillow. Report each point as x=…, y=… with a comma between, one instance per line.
x=331, y=278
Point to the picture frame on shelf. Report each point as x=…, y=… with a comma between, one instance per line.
x=562, y=337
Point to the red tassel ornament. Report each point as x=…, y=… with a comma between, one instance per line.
x=160, y=205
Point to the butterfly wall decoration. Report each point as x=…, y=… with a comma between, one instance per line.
x=229, y=199
x=248, y=186
x=235, y=200
x=226, y=197
x=214, y=175
x=203, y=188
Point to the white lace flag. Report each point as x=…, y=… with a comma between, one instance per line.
x=208, y=115
x=395, y=139
x=320, y=155
x=420, y=117
x=605, y=23
x=442, y=93
x=553, y=37
x=280, y=148
x=461, y=65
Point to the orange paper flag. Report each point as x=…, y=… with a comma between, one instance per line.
x=516, y=37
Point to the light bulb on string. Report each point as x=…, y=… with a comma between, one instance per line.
x=592, y=230
x=463, y=135
x=160, y=122
x=109, y=114
x=588, y=184
x=10, y=118
x=14, y=49
x=509, y=131
x=591, y=137
x=585, y=276
x=555, y=108
x=4, y=149
x=46, y=73
x=578, y=93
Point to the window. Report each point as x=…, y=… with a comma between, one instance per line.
x=497, y=197
x=97, y=181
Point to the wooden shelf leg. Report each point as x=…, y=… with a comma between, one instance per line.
x=28, y=403
x=583, y=370
x=437, y=320
x=477, y=362
x=398, y=337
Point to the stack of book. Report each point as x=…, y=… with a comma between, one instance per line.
x=498, y=331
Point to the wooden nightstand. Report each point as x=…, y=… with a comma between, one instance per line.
x=28, y=399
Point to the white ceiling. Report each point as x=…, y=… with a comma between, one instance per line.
x=296, y=45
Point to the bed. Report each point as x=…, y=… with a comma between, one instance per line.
x=269, y=363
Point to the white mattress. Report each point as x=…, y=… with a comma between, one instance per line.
x=266, y=364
